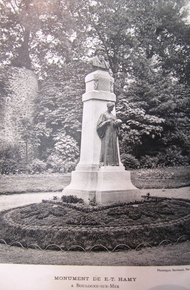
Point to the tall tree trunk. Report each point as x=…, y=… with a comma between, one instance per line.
x=23, y=58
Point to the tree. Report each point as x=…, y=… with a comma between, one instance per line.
x=59, y=109
x=35, y=33
x=148, y=49
x=147, y=45
x=40, y=39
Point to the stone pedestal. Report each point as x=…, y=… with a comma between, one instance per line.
x=107, y=184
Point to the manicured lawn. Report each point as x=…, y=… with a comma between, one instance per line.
x=33, y=183
x=143, y=178
x=158, y=256
x=167, y=177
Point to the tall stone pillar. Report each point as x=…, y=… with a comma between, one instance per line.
x=106, y=184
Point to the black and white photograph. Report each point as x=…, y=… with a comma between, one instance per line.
x=95, y=144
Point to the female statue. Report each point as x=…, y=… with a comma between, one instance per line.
x=107, y=129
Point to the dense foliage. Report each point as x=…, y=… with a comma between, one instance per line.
x=147, y=44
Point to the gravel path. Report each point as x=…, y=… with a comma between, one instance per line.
x=15, y=200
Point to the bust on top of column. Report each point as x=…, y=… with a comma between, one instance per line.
x=99, y=62
x=99, y=80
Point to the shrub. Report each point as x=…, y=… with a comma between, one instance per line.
x=55, y=163
x=65, y=154
x=8, y=166
x=37, y=166
x=170, y=157
x=149, y=161
x=129, y=161
x=9, y=156
x=71, y=199
x=174, y=157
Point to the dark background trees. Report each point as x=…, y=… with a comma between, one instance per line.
x=147, y=44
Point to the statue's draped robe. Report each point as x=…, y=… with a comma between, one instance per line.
x=108, y=134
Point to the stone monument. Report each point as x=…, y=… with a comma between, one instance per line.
x=100, y=176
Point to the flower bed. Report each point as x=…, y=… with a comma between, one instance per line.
x=73, y=226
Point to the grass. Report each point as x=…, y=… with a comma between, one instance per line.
x=21, y=183
x=160, y=256
x=166, y=177
x=174, y=177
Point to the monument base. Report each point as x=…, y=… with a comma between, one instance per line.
x=103, y=186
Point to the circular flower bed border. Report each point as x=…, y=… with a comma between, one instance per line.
x=38, y=233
